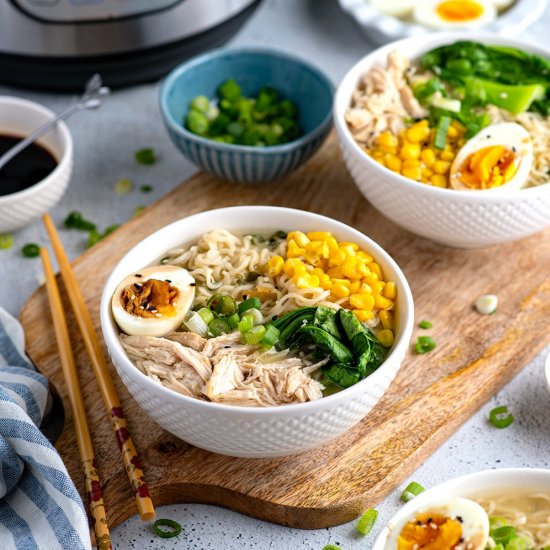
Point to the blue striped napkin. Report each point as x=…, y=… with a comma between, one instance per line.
x=40, y=508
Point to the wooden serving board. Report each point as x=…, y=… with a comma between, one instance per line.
x=430, y=398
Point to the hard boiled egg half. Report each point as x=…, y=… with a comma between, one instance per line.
x=498, y=157
x=153, y=301
x=397, y=8
x=454, y=14
x=455, y=524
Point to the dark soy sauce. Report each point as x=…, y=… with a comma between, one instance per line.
x=29, y=167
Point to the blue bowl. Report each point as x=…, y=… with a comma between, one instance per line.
x=252, y=68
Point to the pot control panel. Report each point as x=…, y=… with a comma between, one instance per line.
x=79, y=11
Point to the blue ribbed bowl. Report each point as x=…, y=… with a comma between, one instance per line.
x=252, y=68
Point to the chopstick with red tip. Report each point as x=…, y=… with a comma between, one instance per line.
x=108, y=392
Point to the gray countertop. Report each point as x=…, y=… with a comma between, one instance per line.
x=104, y=145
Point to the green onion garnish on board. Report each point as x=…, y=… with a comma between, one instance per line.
x=424, y=344
x=75, y=221
x=412, y=490
x=31, y=250
x=366, y=521
x=501, y=417
x=174, y=528
x=425, y=324
x=145, y=156
x=123, y=186
x=139, y=209
x=331, y=547
x=6, y=241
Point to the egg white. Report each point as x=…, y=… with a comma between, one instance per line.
x=475, y=522
x=510, y=135
x=397, y=8
x=502, y=4
x=425, y=13
x=155, y=326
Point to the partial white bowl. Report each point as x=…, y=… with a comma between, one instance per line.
x=471, y=486
x=381, y=29
x=19, y=117
x=245, y=431
x=465, y=219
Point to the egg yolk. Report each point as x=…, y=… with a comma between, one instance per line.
x=152, y=298
x=488, y=167
x=430, y=532
x=459, y=10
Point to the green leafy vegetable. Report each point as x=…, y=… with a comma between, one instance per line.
x=145, y=156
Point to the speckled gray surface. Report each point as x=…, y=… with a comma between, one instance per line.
x=104, y=146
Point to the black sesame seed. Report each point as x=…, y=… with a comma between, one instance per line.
x=245, y=296
x=226, y=347
x=168, y=281
x=138, y=285
x=459, y=518
x=418, y=523
x=193, y=284
x=138, y=275
x=514, y=149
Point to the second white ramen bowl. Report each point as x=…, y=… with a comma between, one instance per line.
x=246, y=431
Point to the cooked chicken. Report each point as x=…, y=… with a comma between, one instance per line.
x=213, y=345
x=383, y=101
x=190, y=339
x=225, y=377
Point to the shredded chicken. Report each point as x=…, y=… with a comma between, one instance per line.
x=224, y=370
x=382, y=101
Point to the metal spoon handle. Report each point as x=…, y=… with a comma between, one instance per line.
x=91, y=99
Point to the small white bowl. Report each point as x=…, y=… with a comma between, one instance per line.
x=465, y=219
x=19, y=117
x=471, y=486
x=246, y=431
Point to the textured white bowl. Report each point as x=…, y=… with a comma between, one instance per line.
x=471, y=486
x=20, y=117
x=244, y=431
x=466, y=219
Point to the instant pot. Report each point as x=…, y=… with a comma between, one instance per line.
x=58, y=44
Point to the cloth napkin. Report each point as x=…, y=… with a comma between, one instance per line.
x=40, y=508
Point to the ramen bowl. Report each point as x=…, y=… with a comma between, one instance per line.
x=246, y=431
x=464, y=219
x=487, y=483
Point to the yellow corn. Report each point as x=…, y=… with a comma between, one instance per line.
x=387, y=139
x=318, y=235
x=349, y=268
x=447, y=155
x=337, y=257
x=332, y=244
x=392, y=162
x=363, y=256
x=438, y=180
x=335, y=272
x=298, y=237
x=410, y=151
x=385, y=337
x=412, y=173
x=441, y=166
x=275, y=265
x=355, y=287
x=293, y=250
x=340, y=290
x=418, y=132
x=294, y=266
x=428, y=157
x=390, y=290
x=306, y=280
x=362, y=301
x=381, y=303
x=363, y=314
x=375, y=268
x=386, y=318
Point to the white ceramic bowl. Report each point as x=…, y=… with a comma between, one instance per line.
x=20, y=117
x=244, y=431
x=466, y=219
x=381, y=29
x=470, y=486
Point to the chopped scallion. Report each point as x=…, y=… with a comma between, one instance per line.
x=233, y=321
x=440, y=139
x=173, y=526
x=256, y=315
x=366, y=521
x=412, y=490
x=251, y=303
x=501, y=417
x=145, y=156
x=6, y=241
x=75, y=221
x=31, y=250
x=195, y=323
x=217, y=327
x=425, y=324
x=331, y=547
x=206, y=315
x=123, y=186
x=424, y=344
x=145, y=188
x=138, y=210
x=254, y=335
x=246, y=323
x=503, y=535
x=271, y=336
x=487, y=304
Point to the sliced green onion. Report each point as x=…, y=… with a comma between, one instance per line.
x=123, y=186
x=173, y=526
x=31, y=250
x=424, y=344
x=499, y=547
x=271, y=336
x=246, y=323
x=146, y=188
x=497, y=521
x=233, y=321
x=256, y=315
x=139, y=209
x=425, y=324
x=412, y=490
x=519, y=543
x=145, y=156
x=6, y=241
x=331, y=547
x=251, y=303
x=195, y=323
x=254, y=335
x=440, y=139
x=206, y=315
x=501, y=417
x=222, y=304
x=94, y=236
x=366, y=521
x=503, y=535
x=217, y=327
x=487, y=304
x=75, y=221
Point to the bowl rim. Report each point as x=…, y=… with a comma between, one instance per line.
x=62, y=163
x=112, y=340
x=426, y=42
x=469, y=480
x=170, y=81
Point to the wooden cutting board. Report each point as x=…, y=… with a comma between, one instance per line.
x=430, y=398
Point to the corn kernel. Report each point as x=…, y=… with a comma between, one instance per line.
x=363, y=315
x=427, y=173
x=390, y=290
x=386, y=318
x=335, y=272
x=275, y=265
x=293, y=250
x=312, y=257
x=385, y=337
x=306, y=281
x=349, y=268
x=438, y=180
x=347, y=244
x=337, y=257
x=336, y=280
x=319, y=235
x=363, y=256
x=392, y=162
x=355, y=287
x=375, y=268
x=417, y=132
x=410, y=151
x=447, y=155
x=294, y=266
x=387, y=139
x=332, y=244
x=340, y=290
x=428, y=157
x=381, y=303
x=298, y=237
x=441, y=166
x=325, y=284
x=412, y=173
x=362, y=301
x=365, y=288
x=452, y=132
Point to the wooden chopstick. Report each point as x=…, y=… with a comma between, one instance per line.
x=83, y=439
x=108, y=392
